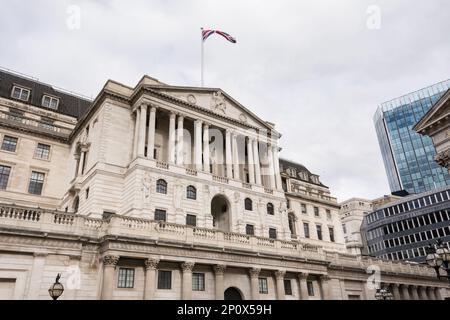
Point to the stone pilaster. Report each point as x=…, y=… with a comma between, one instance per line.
x=279, y=276
x=219, y=271
x=150, y=278
x=206, y=161
x=187, y=267
x=151, y=133
x=303, y=285
x=172, y=138
x=324, y=281
x=109, y=266
x=254, y=282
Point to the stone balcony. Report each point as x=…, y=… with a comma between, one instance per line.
x=22, y=220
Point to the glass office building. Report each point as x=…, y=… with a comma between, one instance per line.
x=409, y=157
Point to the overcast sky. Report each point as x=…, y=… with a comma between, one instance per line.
x=317, y=68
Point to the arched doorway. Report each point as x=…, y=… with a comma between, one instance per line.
x=232, y=294
x=220, y=210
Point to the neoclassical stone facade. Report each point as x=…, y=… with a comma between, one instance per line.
x=166, y=192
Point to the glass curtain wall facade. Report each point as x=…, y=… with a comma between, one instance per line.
x=409, y=157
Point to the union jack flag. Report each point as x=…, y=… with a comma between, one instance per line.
x=207, y=33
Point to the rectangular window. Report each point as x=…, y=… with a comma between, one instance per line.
x=287, y=287
x=164, y=280
x=328, y=214
x=272, y=233
x=331, y=230
x=50, y=102
x=250, y=230
x=263, y=287
x=198, y=281
x=316, y=211
x=36, y=183
x=160, y=215
x=344, y=228
x=126, y=278
x=310, y=286
x=42, y=151
x=87, y=193
x=304, y=211
x=4, y=176
x=191, y=220
x=319, y=231
x=20, y=93
x=9, y=144
x=306, y=229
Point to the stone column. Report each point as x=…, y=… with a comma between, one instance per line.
x=206, y=164
x=187, y=280
x=77, y=164
x=396, y=291
x=276, y=168
x=422, y=293
x=180, y=141
x=325, y=287
x=151, y=133
x=303, y=283
x=142, y=126
x=198, y=145
x=254, y=282
x=405, y=292
x=172, y=138
x=430, y=293
x=109, y=266
x=257, y=162
x=270, y=169
x=236, y=170
x=279, y=275
x=415, y=294
x=136, y=132
x=219, y=271
x=437, y=293
x=150, y=278
x=250, y=161
x=228, y=152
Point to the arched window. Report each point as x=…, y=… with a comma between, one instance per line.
x=191, y=192
x=270, y=209
x=161, y=186
x=248, y=204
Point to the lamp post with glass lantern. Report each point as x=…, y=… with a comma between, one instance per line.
x=56, y=289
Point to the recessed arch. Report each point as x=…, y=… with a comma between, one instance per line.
x=233, y=293
x=221, y=212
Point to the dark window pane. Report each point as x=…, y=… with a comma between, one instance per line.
x=164, y=280
x=161, y=186
x=198, y=281
x=272, y=233
x=160, y=215
x=4, y=176
x=287, y=287
x=9, y=144
x=191, y=220
x=42, y=151
x=36, y=183
x=263, y=287
x=248, y=204
x=250, y=230
x=125, y=278
x=191, y=193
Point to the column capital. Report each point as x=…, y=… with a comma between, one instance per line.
x=173, y=114
x=198, y=121
x=144, y=106
x=303, y=276
x=187, y=266
x=219, y=268
x=151, y=263
x=279, y=274
x=153, y=108
x=254, y=272
x=110, y=260
x=206, y=124
x=180, y=116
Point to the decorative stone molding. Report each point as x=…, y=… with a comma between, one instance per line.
x=187, y=266
x=254, y=272
x=324, y=277
x=443, y=159
x=303, y=276
x=279, y=274
x=219, y=268
x=151, y=264
x=110, y=261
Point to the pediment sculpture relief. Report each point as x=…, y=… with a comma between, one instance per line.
x=218, y=103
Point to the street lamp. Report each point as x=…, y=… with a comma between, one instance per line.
x=56, y=289
x=438, y=257
x=383, y=294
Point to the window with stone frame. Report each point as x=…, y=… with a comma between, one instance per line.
x=160, y=215
x=306, y=229
x=331, y=231
x=50, y=102
x=36, y=183
x=263, y=286
x=42, y=151
x=288, y=287
x=304, y=210
x=20, y=93
x=164, y=280
x=328, y=211
x=161, y=186
x=316, y=212
x=125, y=278
x=272, y=233
x=191, y=220
x=9, y=143
x=319, y=232
x=5, y=171
x=248, y=204
x=191, y=193
x=198, y=281
x=250, y=230
x=310, y=286
x=270, y=209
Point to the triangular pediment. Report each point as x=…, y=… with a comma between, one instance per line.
x=438, y=112
x=216, y=101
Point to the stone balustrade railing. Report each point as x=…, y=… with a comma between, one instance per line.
x=35, y=219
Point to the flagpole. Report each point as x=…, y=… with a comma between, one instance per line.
x=202, y=49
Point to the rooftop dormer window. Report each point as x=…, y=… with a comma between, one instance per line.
x=50, y=102
x=20, y=93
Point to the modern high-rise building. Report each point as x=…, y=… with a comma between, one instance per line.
x=409, y=157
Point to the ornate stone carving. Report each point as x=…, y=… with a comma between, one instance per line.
x=254, y=272
x=218, y=102
x=219, y=268
x=243, y=117
x=191, y=99
x=443, y=159
x=279, y=274
x=187, y=266
x=146, y=185
x=151, y=263
x=237, y=197
x=110, y=261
